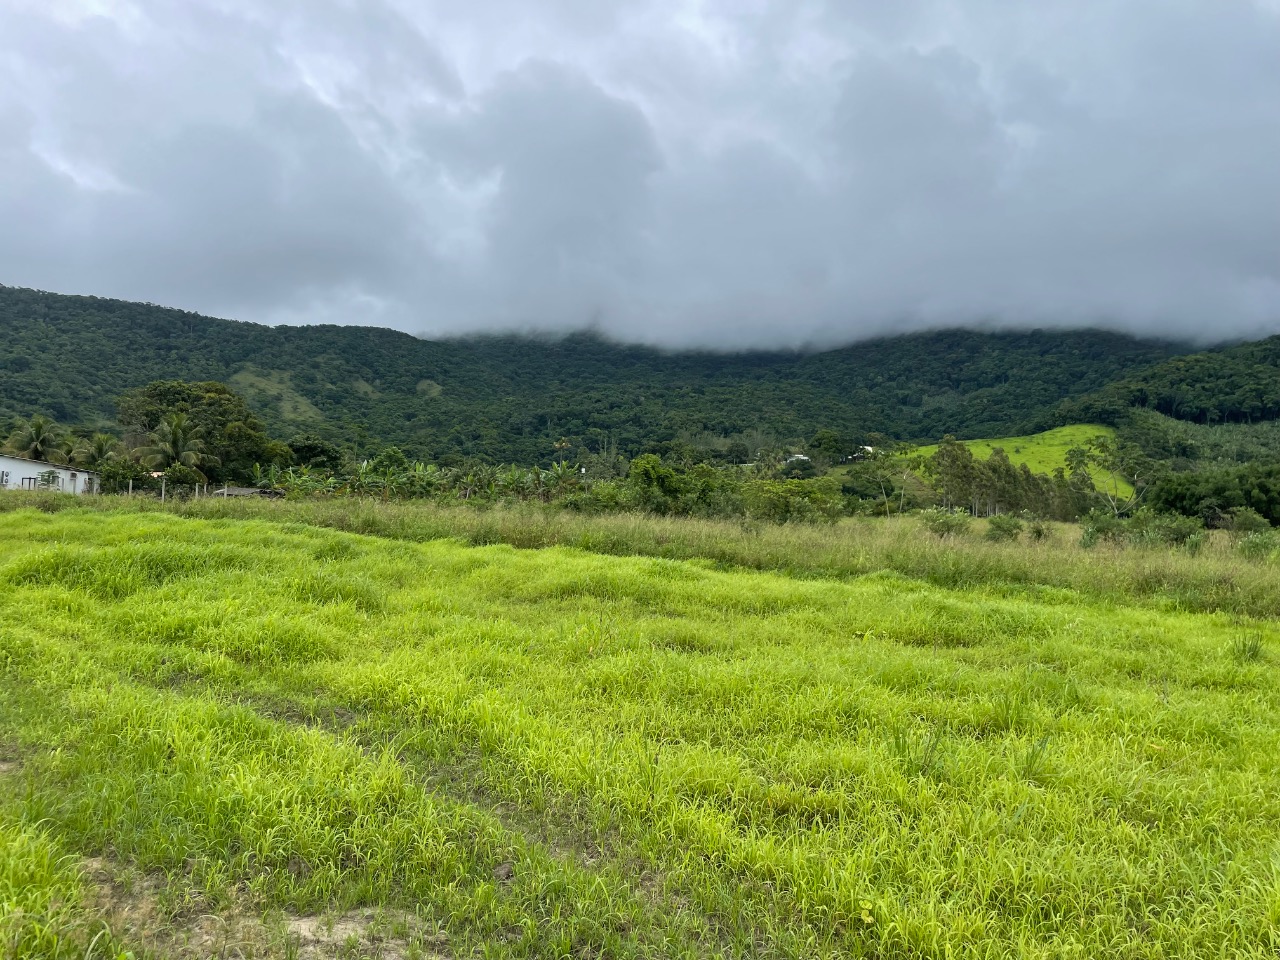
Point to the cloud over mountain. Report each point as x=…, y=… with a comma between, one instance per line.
x=725, y=173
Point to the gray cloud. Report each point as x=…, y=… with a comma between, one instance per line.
x=729, y=173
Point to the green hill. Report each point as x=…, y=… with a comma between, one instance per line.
x=512, y=398
x=1044, y=452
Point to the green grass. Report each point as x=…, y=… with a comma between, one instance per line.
x=1044, y=452
x=1218, y=579
x=560, y=753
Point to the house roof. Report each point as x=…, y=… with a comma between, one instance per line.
x=45, y=463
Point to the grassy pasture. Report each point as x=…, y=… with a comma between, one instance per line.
x=1045, y=452
x=366, y=746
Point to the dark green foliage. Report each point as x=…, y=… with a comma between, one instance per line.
x=178, y=475
x=829, y=447
x=312, y=451
x=1214, y=494
x=231, y=435
x=1188, y=446
x=115, y=476
x=514, y=399
x=1245, y=520
x=1238, y=384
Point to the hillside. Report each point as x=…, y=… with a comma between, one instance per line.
x=1239, y=384
x=1044, y=452
x=512, y=398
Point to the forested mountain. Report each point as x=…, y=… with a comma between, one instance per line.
x=1239, y=384
x=521, y=399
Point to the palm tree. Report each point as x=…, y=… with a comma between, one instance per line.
x=95, y=451
x=563, y=477
x=38, y=439
x=178, y=440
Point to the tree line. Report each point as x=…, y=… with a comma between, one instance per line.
x=195, y=434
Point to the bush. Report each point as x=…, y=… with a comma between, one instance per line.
x=945, y=523
x=1146, y=528
x=1038, y=530
x=1245, y=520
x=1100, y=527
x=1003, y=527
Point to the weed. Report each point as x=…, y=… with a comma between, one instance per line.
x=1247, y=648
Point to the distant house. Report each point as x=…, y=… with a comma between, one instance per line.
x=17, y=473
x=797, y=458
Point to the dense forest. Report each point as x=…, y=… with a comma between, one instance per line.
x=1238, y=384
x=536, y=400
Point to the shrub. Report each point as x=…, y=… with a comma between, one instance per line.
x=1146, y=528
x=1038, y=530
x=945, y=523
x=1245, y=520
x=1003, y=527
x=1100, y=526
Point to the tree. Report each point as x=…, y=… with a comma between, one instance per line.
x=234, y=437
x=1122, y=461
x=954, y=472
x=38, y=439
x=95, y=452
x=879, y=466
x=312, y=451
x=178, y=440
x=828, y=447
x=390, y=460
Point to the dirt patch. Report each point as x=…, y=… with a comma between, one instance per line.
x=7, y=767
x=146, y=911
x=370, y=933
x=141, y=910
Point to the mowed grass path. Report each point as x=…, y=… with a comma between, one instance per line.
x=553, y=753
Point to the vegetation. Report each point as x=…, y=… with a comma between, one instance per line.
x=537, y=401
x=1045, y=452
x=430, y=748
x=38, y=439
x=1232, y=385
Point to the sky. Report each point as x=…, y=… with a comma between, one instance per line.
x=689, y=173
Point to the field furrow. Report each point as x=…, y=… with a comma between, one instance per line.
x=556, y=753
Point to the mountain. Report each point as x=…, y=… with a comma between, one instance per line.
x=512, y=398
x=1238, y=384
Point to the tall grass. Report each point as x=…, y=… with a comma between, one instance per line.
x=1217, y=577
x=557, y=753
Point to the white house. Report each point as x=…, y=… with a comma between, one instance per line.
x=19, y=474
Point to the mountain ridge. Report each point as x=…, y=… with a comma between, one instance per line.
x=530, y=398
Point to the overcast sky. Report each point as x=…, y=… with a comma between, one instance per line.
x=727, y=173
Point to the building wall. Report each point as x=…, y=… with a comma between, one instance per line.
x=19, y=474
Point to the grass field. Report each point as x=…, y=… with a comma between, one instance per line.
x=237, y=735
x=1044, y=452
